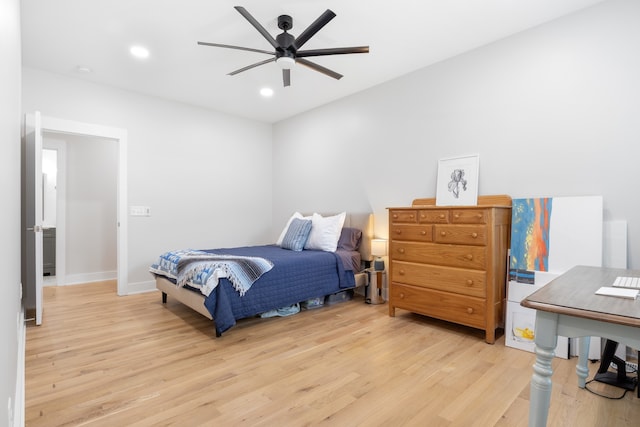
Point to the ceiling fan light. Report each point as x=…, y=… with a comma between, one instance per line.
x=139, y=52
x=83, y=69
x=285, y=62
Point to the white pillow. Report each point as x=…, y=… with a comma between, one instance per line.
x=286, y=227
x=325, y=232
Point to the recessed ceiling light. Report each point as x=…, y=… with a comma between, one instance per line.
x=266, y=92
x=83, y=70
x=139, y=51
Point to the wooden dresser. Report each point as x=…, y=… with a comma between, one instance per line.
x=450, y=262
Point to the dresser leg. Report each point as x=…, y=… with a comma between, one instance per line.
x=392, y=311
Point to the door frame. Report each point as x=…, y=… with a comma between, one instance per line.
x=63, y=126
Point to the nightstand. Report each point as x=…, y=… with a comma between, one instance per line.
x=377, y=282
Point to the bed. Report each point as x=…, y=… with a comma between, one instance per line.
x=295, y=276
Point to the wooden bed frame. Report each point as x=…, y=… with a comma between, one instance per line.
x=195, y=300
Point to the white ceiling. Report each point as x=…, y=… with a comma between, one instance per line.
x=403, y=35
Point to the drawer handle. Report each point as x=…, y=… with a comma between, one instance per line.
x=424, y=233
x=474, y=235
x=441, y=216
x=423, y=216
x=479, y=216
x=398, y=232
x=469, y=310
x=457, y=216
x=401, y=295
x=443, y=233
x=401, y=250
x=401, y=272
x=469, y=282
x=411, y=216
x=469, y=257
x=395, y=216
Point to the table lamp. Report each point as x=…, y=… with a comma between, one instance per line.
x=378, y=250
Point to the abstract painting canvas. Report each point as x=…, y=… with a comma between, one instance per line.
x=530, y=222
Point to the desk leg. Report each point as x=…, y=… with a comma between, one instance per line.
x=583, y=356
x=546, y=341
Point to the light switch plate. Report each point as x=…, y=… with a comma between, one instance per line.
x=139, y=211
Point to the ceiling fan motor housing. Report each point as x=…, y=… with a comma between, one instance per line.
x=285, y=40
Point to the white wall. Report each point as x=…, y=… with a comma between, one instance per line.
x=553, y=111
x=11, y=327
x=91, y=200
x=205, y=175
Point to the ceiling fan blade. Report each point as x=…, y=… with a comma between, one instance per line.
x=319, y=68
x=286, y=77
x=332, y=51
x=317, y=25
x=228, y=46
x=257, y=26
x=248, y=67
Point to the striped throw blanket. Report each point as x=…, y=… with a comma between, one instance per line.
x=203, y=270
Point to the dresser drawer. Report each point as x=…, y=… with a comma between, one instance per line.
x=434, y=216
x=408, y=216
x=448, y=279
x=473, y=257
x=461, y=234
x=465, y=310
x=469, y=216
x=420, y=233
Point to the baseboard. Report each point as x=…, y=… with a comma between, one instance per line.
x=19, y=402
x=81, y=279
x=99, y=276
x=141, y=287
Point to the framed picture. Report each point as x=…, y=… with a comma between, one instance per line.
x=457, y=183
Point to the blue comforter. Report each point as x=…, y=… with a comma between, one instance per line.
x=295, y=277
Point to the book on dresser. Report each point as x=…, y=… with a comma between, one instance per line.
x=450, y=262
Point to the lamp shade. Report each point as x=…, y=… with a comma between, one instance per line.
x=378, y=247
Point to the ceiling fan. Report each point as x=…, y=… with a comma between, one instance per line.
x=287, y=47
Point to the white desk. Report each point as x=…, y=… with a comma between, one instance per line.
x=568, y=306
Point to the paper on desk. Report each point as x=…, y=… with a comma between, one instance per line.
x=618, y=292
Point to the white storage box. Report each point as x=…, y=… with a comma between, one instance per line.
x=519, y=331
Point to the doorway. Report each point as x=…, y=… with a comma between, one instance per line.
x=53, y=126
x=79, y=209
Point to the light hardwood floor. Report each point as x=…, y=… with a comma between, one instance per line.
x=103, y=360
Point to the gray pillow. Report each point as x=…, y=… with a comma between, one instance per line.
x=350, y=239
x=297, y=234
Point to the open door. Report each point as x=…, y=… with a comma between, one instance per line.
x=33, y=214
